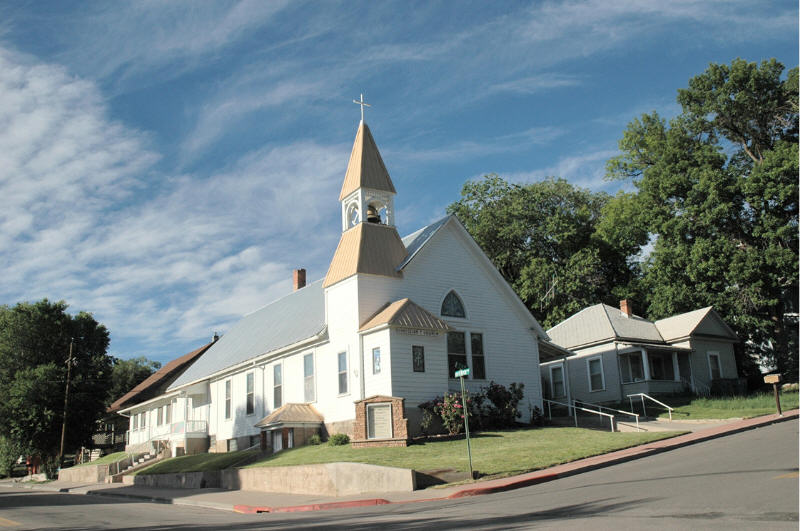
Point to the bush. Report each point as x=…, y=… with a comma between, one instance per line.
x=426, y=421
x=338, y=439
x=9, y=453
x=493, y=407
x=315, y=440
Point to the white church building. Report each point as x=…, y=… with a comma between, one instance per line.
x=357, y=351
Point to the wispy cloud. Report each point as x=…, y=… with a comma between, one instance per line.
x=537, y=83
x=586, y=170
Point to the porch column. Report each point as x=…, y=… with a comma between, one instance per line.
x=675, y=367
x=567, y=386
x=646, y=365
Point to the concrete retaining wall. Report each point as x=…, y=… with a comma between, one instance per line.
x=91, y=473
x=186, y=480
x=332, y=479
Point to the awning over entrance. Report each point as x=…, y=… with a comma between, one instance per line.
x=292, y=415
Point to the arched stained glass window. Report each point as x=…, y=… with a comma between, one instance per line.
x=452, y=306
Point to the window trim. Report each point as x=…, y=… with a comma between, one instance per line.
x=346, y=374
x=710, y=353
x=250, y=395
x=275, y=404
x=313, y=378
x=559, y=366
x=460, y=299
x=228, y=401
x=466, y=355
x=589, y=373
x=380, y=363
x=483, y=355
x=413, y=365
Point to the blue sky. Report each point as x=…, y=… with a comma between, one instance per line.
x=165, y=165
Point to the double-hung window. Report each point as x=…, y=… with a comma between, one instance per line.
x=714, y=366
x=308, y=377
x=277, y=386
x=251, y=398
x=478, y=363
x=342, y=372
x=159, y=416
x=227, y=399
x=596, y=378
x=456, y=352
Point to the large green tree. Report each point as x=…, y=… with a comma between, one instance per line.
x=545, y=239
x=34, y=347
x=127, y=374
x=717, y=190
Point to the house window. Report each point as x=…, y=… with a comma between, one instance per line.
x=277, y=386
x=456, y=352
x=342, y=373
x=251, y=399
x=631, y=367
x=418, y=358
x=478, y=364
x=227, y=399
x=714, y=367
x=557, y=381
x=168, y=414
x=143, y=418
x=376, y=361
x=661, y=365
x=135, y=419
x=308, y=377
x=596, y=378
x=159, y=416
x=452, y=306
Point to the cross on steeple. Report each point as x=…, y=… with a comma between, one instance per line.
x=363, y=104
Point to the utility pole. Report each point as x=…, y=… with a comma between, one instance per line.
x=66, y=403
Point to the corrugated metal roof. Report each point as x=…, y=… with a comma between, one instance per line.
x=406, y=313
x=365, y=168
x=289, y=413
x=416, y=240
x=297, y=316
x=150, y=386
x=370, y=248
x=602, y=322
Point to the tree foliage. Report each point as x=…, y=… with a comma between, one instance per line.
x=717, y=187
x=543, y=233
x=127, y=374
x=34, y=347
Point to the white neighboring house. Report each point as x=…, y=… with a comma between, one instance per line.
x=619, y=353
x=390, y=322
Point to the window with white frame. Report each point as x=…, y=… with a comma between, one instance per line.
x=596, y=378
x=478, y=363
x=418, y=358
x=342, y=359
x=557, y=381
x=227, y=399
x=376, y=361
x=168, y=413
x=714, y=367
x=456, y=352
x=308, y=377
x=135, y=420
x=251, y=394
x=277, y=386
x=159, y=416
x=143, y=419
x=452, y=306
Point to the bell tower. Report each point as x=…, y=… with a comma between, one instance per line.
x=369, y=243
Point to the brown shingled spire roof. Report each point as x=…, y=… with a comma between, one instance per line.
x=366, y=168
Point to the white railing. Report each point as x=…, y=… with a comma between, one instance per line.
x=644, y=408
x=574, y=412
x=190, y=426
x=601, y=408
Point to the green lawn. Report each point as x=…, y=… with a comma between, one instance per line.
x=106, y=459
x=725, y=408
x=493, y=453
x=198, y=462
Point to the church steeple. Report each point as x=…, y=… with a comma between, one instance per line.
x=369, y=243
x=367, y=191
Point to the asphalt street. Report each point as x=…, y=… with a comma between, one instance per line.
x=743, y=481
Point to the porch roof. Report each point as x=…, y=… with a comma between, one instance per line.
x=651, y=346
x=292, y=414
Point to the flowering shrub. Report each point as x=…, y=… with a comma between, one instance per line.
x=494, y=406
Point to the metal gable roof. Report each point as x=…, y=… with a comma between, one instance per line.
x=602, y=322
x=405, y=313
x=416, y=240
x=297, y=316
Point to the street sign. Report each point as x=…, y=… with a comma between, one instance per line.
x=462, y=372
x=772, y=378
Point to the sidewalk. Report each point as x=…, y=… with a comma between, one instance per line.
x=255, y=502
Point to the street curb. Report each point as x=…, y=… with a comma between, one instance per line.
x=525, y=480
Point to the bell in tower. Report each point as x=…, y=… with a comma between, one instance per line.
x=373, y=216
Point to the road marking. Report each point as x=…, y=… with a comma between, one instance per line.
x=4, y=522
x=788, y=476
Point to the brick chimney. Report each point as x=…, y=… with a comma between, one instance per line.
x=626, y=306
x=299, y=278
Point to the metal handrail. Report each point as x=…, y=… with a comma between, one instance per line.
x=644, y=408
x=600, y=408
x=574, y=407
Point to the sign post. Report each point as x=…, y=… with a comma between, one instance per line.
x=775, y=379
x=460, y=375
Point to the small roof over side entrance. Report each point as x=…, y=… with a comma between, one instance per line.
x=292, y=415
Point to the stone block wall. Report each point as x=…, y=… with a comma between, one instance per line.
x=399, y=423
